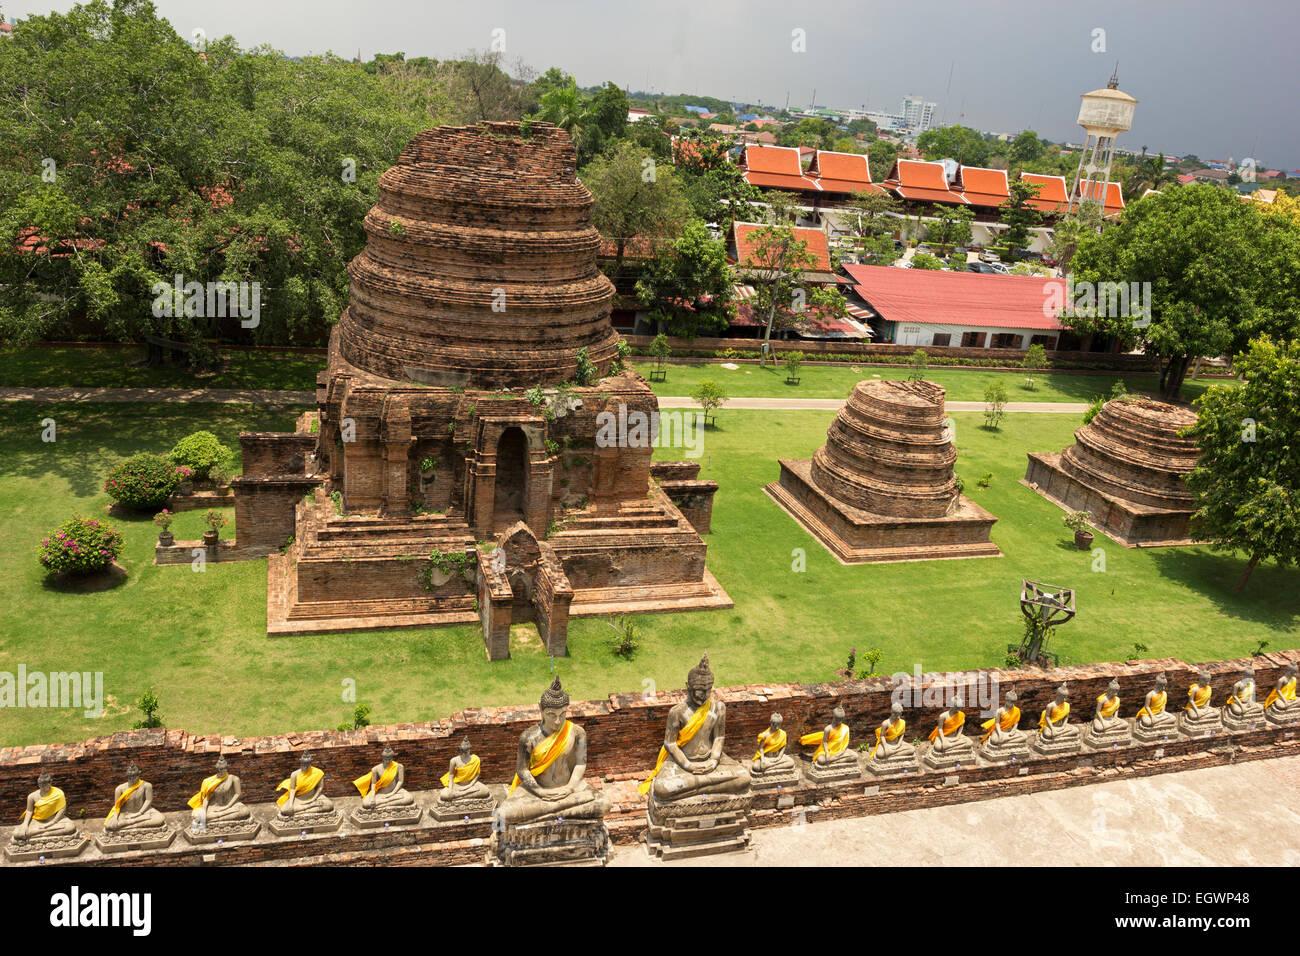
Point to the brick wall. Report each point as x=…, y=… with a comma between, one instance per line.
x=624, y=730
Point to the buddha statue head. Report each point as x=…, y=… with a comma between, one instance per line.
x=896, y=710
x=465, y=747
x=699, y=682
x=1161, y=682
x=1203, y=678
x=1062, y=692
x=554, y=706
x=1248, y=674
x=1112, y=689
x=222, y=766
x=132, y=773
x=837, y=716
x=775, y=721
x=304, y=763
x=1011, y=698
x=387, y=756
x=955, y=703
x=1289, y=673
x=44, y=782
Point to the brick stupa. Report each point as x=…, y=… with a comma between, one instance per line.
x=883, y=488
x=450, y=415
x=1128, y=467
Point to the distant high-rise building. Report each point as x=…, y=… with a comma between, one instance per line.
x=918, y=113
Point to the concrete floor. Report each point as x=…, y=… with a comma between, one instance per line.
x=1244, y=815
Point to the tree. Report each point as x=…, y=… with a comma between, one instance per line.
x=776, y=261
x=721, y=196
x=961, y=143
x=633, y=196
x=920, y=364
x=1148, y=172
x=1018, y=216
x=1035, y=360
x=481, y=89
x=880, y=157
x=659, y=351
x=711, y=396
x=689, y=286
x=868, y=213
x=606, y=121
x=995, y=403
x=1025, y=148
x=1217, y=272
x=923, y=260
x=1085, y=220
x=950, y=227
x=1247, y=479
x=564, y=106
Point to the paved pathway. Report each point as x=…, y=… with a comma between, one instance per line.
x=1242, y=815
x=270, y=396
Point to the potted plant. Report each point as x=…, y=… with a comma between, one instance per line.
x=185, y=479
x=1077, y=521
x=163, y=520
x=428, y=466
x=215, y=521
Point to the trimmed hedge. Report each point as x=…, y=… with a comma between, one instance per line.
x=202, y=451
x=143, y=481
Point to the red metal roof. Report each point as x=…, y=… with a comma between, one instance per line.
x=982, y=187
x=931, y=297
x=842, y=172
x=815, y=238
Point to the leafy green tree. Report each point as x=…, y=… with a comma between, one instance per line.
x=607, y=121
x=710, y=396
x=923, y=260
x=689, y=286
x=995, y=403
x=1024, y=149
x=634, y=196
x=950, y=227
x=961, y=143
x=776, y=262
x=566, y=108
x=721, y=196
x=1086, y=220
x=868, y=214
x=1018, y=216
x=880, y=157
x=1247, y=479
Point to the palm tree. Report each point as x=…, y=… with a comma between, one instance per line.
x=1148, y=173
x=563, y=106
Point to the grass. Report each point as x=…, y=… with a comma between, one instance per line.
x=962, y=384
x=123, y=366
x=199, y=639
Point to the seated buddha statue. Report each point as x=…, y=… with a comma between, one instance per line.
x=218, y=799
x=46, y=815
x=133, y=808
x=463, y=793
x=1199, y=718
x=1055, y=732
x=691, y=762
x=1242, y=711
x=949, y=745
x=1003, y=739
x=772, y=764
x=304, y=791
x=384, y=785
x=891, y=753
x=1108, y=729
x=832, y=759
x=1280, y=707
x=549, y=768
x=1154, y=721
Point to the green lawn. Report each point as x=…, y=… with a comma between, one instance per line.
x=199, y=639
x=962, y=384
x=124, y=367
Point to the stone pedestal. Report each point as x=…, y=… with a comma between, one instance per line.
x=695, y=826
x=1276, y=718
x=52, y=848
x=841, y=771
x=309, y=822
x=227, y=831
x=551, y=843
x=900, y=764
x=1114, y=733
x=1012, y=748
x=1062, y=743
x=1251, y=718
x=380, y=817
x=1163, y=729
x=959, y=753
x=457, y=811
x=783, y=777
x=1208, y=724
x=125, y=841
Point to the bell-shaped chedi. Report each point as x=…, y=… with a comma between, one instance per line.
x=479, y=268
x=882, y=488
x=1128, y=467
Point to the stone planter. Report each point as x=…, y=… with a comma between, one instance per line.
x=186, y=488
x=166, y=539
x=1083, y=540
x=210, y=539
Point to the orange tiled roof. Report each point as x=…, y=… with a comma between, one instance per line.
x=1114, y=197
x=842, y=172
x=1053, y=196
x=922, y=182
x=775, y=167
x=816, y=239
x=982, y=187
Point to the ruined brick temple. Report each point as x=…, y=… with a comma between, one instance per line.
x=883, y=487
x=451, y=473
x=1129, y=467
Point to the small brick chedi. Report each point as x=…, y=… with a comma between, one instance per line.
x=882, y=488
x=1128, y=467
x=453, y=471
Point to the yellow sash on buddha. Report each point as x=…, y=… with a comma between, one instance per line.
x=949, y=726
x=548, y=750
x=1199, y=694
x=1157, y=705
x=306, y=783
x=1249, y=695
x=465, y=772
x=687, y=733
x=1288, y=693
x=1053, y=714
x=894, y=731
x=1010, y=718
x=833, y=747
x=117, y=806
x=769, y=743
x=48, y=805
x=205, y=789
x=385, y=778
x=1109, y=708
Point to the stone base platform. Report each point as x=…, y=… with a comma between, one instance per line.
x=837, y=773
x=182, y=552
x=228, y=831
x=958, y=757
x=1207, y=726
x=1013, y=750
x=900, y=765
x=50, y=848
x=1132, y=524
x=1119, y=735
x=309, y=822
x=697, y=826
x=551, y=843
x=1161, y=733
x=1252, y=719
x=385, y=817
x=125, y=841
x=1056, y=746
x=1273, y=719
x=788, y=777
x=855, y=536
x=463, y=810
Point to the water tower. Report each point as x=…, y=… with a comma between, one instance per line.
x=1103, y=114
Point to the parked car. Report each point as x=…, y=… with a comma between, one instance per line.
x=981, y=267
x=1000, y=269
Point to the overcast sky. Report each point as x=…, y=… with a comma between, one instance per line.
x=1212, y=78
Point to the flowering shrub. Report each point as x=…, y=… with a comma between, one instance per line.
x=200, y=451
x=163, y=519
x=184, y=473
x=215, y=520
x=143, y=481
x=80, y=546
